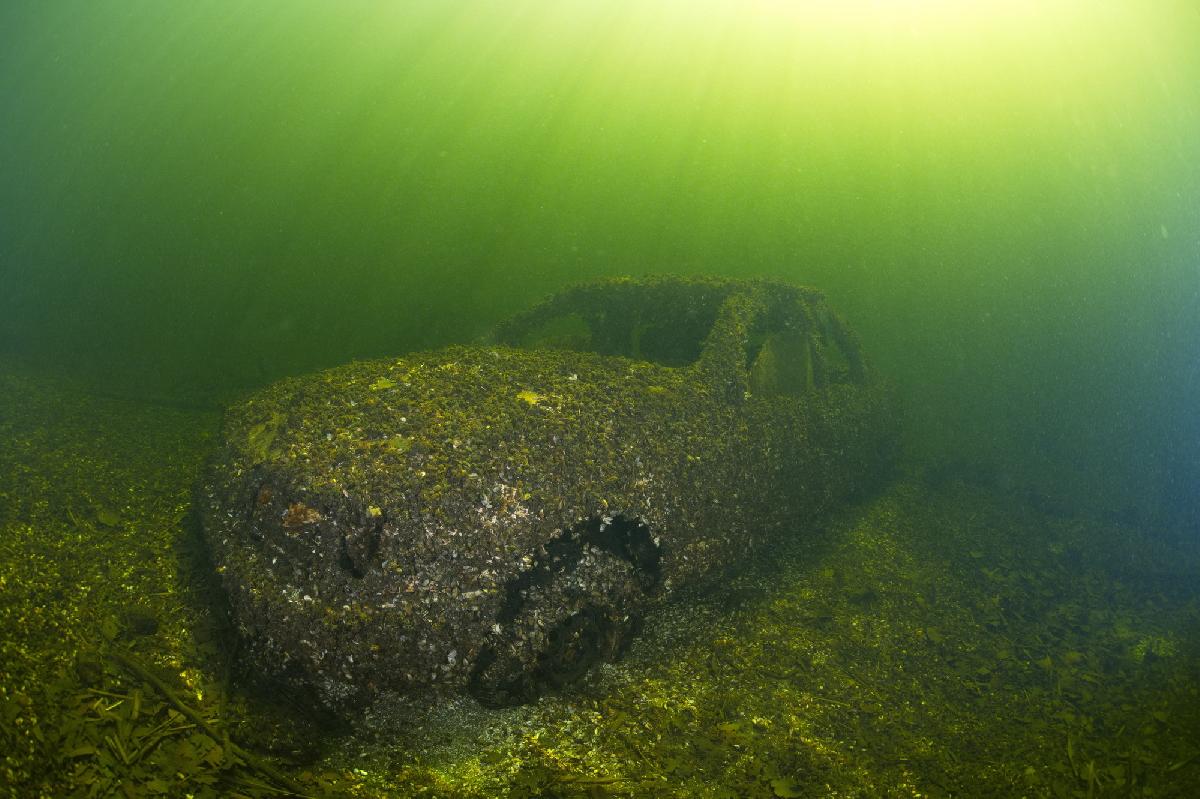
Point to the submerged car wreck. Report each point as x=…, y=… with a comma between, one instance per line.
x=497, y=519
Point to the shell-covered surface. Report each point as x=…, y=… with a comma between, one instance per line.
x=495, y=519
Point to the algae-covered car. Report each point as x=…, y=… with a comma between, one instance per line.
x=496, y=519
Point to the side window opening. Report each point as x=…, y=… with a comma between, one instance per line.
x=566, y=332
x=664, y=322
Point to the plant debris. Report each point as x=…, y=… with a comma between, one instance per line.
x=940, y=639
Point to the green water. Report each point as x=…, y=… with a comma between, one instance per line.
x=1002, y=198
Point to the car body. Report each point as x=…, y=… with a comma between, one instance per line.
x=495, y=519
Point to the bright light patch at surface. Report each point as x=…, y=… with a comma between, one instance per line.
x=928, y=21
x=943, y=14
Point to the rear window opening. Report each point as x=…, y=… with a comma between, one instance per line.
x=795, y=348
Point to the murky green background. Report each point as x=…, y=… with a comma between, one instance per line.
x=1002, y=198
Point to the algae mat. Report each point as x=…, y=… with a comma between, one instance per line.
x=948, y=637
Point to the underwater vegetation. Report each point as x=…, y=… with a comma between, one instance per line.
x=940, y=638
